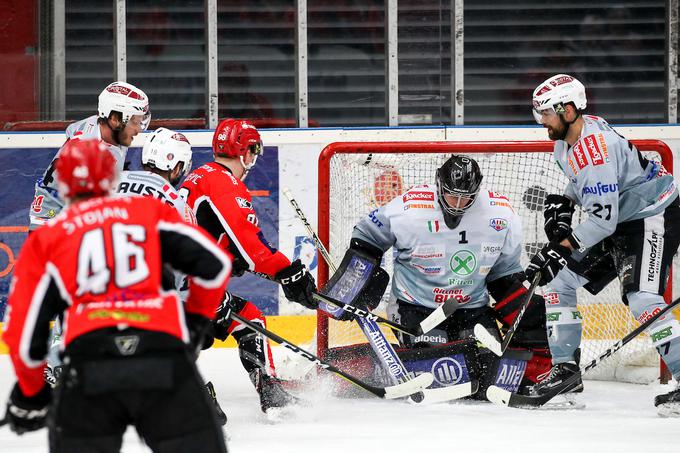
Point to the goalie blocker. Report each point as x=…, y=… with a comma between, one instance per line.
x=359, y=281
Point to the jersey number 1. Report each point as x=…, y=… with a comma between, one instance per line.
x=129, y=262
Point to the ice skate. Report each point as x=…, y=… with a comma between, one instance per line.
x=272, y=393
x=556, y=377
x=221, y=416
x=668, y=404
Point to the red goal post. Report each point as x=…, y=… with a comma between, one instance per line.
x=373, y=151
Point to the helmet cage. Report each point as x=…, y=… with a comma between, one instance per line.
x=465, y=196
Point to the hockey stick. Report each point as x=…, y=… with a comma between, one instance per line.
x=488, y=340
x=502, y=397
x=4, y=421
x=400, y=390
x=322, y=298
x=376, y=338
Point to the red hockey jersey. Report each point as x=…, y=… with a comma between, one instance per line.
x=100, y=261
x=223, y=207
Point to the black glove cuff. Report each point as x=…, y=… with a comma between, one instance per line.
x=39, y=400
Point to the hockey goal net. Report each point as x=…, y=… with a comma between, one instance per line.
x=356, y=178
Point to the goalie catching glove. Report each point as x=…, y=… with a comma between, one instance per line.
x=298, y=284
x=558, y=213
x=359, y=281
x=548, y=261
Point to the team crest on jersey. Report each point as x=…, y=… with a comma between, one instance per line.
x=243, y=203
x=36, y=206
x=463, y=263
x=498, y=224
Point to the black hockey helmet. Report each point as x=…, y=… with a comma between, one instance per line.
x=461, y=177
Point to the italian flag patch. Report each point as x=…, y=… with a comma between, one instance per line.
x=433, y=226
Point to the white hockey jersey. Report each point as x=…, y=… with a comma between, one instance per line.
x=146, y=183
x=46, y=203
x=434, y=263
x=611, y=180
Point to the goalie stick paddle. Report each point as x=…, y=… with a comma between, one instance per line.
x=502, y=397
x=403, y=389
x=490, y=341
x=3, y=422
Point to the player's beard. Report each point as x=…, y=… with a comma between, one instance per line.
x=560, y=132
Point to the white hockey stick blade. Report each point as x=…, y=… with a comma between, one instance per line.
x=415, y=385
x=498, y=396
x=439, y=315
x=488, y=340
x=450, y=393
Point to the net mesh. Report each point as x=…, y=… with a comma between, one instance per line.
x=359, y=183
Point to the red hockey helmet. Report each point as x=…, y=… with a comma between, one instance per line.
x=85, y=167
x=233, y=138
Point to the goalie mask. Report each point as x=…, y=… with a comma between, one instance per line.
x=165, y=149
x=551, y=96
x=458, y=182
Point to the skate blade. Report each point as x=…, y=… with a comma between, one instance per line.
x=669, y=410
x=563, y=402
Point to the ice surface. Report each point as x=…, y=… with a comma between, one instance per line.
x=618, y=418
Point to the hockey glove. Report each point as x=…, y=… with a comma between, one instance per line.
x=222, y=321
x=558, y=213
x=28, y=413
x=298, y=285
x=548, y=261
x=200, y=332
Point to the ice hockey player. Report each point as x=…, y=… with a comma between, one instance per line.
x=122, y=113
x=223, y=207
x=454, y=240
x=166, y=159
x=129, y=346
x=632, y=230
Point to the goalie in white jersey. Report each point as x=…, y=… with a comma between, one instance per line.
x=455, y=240
x=632, y=231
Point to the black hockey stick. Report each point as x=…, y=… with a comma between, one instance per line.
x=4, y=421
x=502, y=397
x=400, y=390
x=490, y=341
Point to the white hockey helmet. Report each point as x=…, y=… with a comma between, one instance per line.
x=165, y=148
x=551, y=95
x=127, y=99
